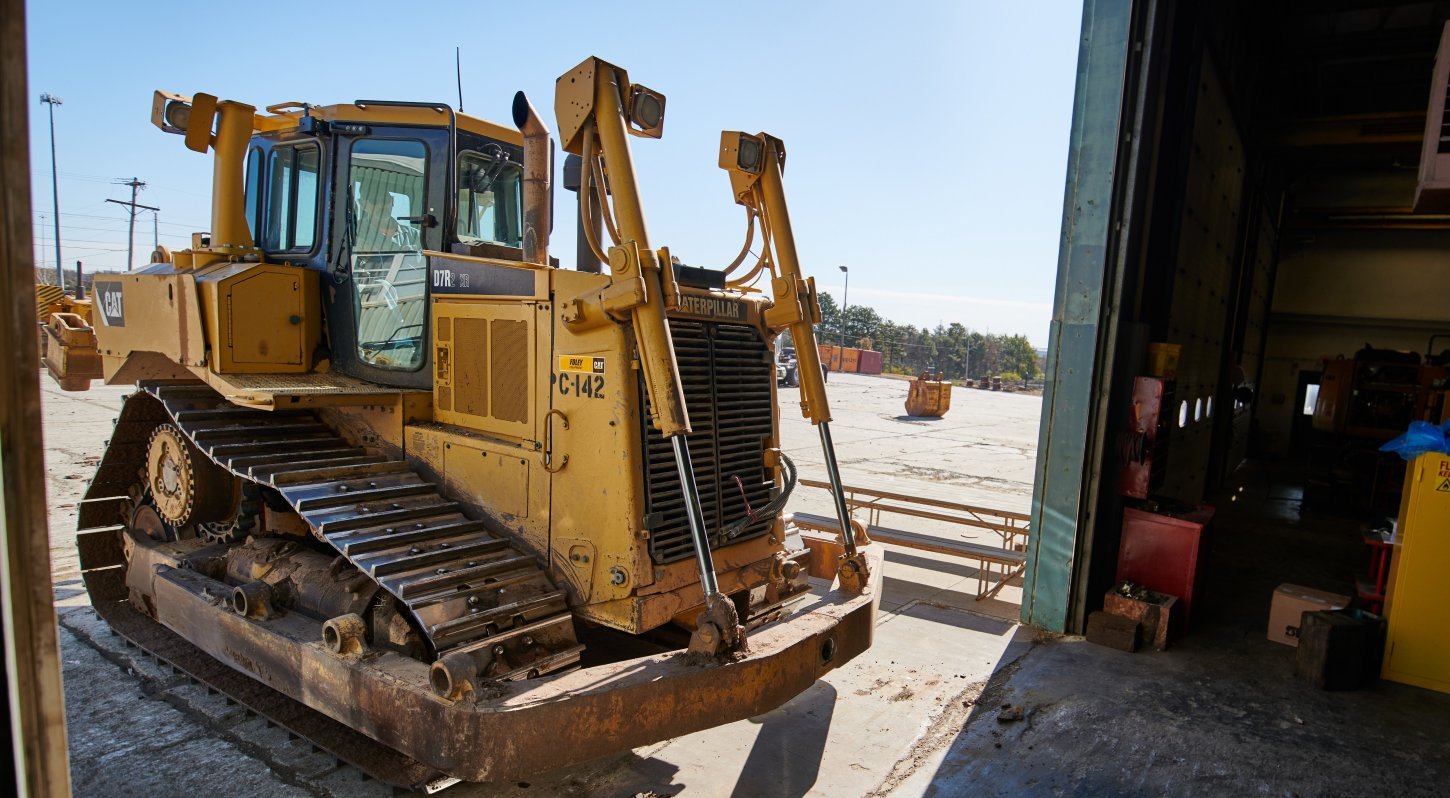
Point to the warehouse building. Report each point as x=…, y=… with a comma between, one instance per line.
x=1257, y=191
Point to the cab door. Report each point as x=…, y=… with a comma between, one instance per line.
x=388, y=206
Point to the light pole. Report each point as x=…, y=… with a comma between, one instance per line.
x=845, y=303
x=53, y=101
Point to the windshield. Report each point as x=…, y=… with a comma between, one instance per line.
x=488, y=198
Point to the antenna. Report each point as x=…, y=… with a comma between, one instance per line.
x=458, y=65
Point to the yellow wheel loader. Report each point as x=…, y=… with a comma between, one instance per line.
x=395, y=480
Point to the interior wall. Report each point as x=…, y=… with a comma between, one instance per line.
x=1202, y=288
x=1336, y=291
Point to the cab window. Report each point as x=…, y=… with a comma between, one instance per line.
x=251, y=199
x=291, y=203
x=489, y=198
x=387, y=211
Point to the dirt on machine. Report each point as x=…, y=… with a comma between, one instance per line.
x=396, y=480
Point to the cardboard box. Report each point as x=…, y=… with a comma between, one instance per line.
x=1289, y=605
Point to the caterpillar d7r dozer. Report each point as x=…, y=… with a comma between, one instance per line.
x=461, y=513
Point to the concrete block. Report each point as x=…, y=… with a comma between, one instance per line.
x=1113, y=631
x=1337, y=651
x=1156, y=613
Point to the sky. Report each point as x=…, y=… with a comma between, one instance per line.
x=926, y=141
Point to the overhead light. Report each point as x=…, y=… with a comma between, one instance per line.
x=178, y=114
x=646, y=112
x=171, y=112
x=748, y=156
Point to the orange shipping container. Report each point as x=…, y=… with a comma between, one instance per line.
x=831, y=356
x=851, y=360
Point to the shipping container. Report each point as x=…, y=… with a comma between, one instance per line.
x=870, y=362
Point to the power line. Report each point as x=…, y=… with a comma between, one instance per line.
x=43, y=226
x=89, y=241
x=188, y=225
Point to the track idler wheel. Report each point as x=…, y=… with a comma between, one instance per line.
x=186, y=486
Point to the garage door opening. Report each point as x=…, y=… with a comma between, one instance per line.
x=1269, y=206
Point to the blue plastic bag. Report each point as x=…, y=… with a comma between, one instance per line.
x=1421, y=437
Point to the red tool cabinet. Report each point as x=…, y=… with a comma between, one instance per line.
x=1165, y=552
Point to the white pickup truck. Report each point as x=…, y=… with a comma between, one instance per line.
x=787, y=371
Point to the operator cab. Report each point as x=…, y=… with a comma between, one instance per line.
x=359, y=192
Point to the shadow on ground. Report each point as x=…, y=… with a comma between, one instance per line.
x=1221, y=712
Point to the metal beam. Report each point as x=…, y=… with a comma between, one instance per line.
x=34, y=699
x=1063, y=484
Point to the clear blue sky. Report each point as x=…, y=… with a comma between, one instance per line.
x=927, y=142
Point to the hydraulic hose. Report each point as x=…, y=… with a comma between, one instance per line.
x=773, y=506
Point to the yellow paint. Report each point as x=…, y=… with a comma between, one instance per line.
x=1417, y=650
x=486, y=374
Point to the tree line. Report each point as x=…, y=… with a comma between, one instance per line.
x=949, y=348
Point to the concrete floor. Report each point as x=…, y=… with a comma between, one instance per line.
x=138, y=729
x=1218, y=714
x=1221, y=712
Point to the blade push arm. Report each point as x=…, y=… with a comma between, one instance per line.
x=755, y=164
x=598, y=108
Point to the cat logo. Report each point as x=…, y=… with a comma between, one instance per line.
x=109, y=299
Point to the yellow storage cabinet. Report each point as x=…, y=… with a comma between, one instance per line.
x=1417, y=649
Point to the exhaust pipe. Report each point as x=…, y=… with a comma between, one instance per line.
x=538, y=149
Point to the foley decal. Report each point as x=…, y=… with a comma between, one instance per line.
x=581, y=364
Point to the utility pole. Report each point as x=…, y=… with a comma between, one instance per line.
x=845, y=303
x=52, y=101
x=136, y=184
x=967, y=357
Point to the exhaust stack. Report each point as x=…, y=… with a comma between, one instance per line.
x=538, y=149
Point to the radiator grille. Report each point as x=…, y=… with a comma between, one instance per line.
x=727, y=373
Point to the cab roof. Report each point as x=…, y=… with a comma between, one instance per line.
x=283, y=116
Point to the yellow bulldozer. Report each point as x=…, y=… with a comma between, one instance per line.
x=438, y=495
